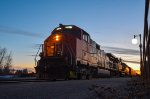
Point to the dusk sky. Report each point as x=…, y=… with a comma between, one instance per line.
x=111, y=23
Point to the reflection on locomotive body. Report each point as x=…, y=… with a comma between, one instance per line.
x=70, y=53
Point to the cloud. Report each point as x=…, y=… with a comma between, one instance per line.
x=9, y=30
x=117, y=50
x=127, y=55
x=135, y=62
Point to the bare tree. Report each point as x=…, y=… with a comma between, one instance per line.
x=5, y=61
x=3, y=52
x=8, y=63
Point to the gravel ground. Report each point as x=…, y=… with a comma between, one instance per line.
x=73, y=89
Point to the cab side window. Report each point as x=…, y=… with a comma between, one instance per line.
x=86, y=38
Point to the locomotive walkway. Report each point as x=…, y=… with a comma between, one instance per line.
x=73, y=89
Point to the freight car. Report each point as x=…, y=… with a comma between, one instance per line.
x=128, y=71
x=119, y=68
x=70, y=53
x=115, y=65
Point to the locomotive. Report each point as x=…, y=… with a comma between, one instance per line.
x=70, y=53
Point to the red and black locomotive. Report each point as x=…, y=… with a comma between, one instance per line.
x=70, y=53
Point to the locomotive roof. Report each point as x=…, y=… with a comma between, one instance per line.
x=74, y=27
x=112, y=57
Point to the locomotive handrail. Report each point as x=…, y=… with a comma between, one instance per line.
x=37, y=54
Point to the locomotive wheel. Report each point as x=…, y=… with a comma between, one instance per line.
x=89, y=76
x=67, y=76
x=79, y=76
x=84, y=76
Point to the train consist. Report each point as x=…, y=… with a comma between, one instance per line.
x=70, y=53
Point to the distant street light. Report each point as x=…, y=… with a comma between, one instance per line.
x=134, y=41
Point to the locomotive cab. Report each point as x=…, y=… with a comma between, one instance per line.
x=59, y=52
x=56, y=43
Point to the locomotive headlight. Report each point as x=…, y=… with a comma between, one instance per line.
x=57, y=38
